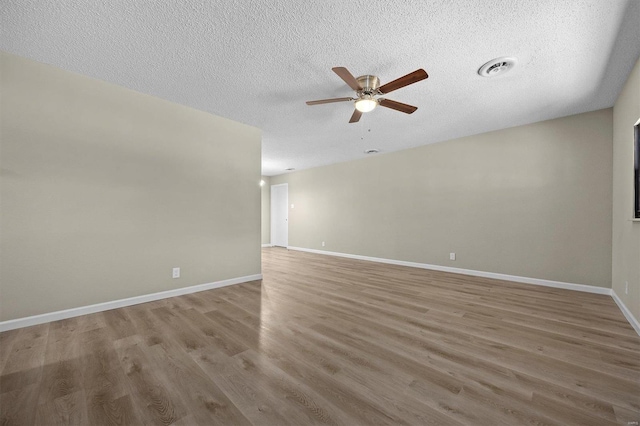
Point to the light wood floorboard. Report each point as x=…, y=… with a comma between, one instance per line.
x=328, y=340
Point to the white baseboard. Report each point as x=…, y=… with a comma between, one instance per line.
x=626, y=312
x=494, y=275
x=99, y=307
x=267, y=245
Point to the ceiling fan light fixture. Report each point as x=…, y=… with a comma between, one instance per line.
x=366, y=103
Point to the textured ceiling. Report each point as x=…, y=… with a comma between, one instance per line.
x=257, y=62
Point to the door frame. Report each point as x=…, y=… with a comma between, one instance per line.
x=273, y=216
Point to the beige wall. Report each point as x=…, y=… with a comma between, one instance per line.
x=266, y=210
x=104, y=190
x=626, y=234
x=532, y=201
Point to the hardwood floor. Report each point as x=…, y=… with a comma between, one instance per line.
x=326, y=340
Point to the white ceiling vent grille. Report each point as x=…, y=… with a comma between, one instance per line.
x=497, y=66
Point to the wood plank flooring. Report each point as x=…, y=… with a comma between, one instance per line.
x=326, y=340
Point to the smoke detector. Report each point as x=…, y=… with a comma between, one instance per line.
x=497, y=66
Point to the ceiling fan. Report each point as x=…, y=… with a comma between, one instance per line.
x=367, y=87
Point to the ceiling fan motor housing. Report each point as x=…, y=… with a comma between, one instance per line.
x=369, y=84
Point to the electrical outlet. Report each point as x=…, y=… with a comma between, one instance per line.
x=626, y=287
x=323, y=244
x=452, y=256
x=176, y=272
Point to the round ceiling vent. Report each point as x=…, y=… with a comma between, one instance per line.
x=497, y=66
x=372, y=151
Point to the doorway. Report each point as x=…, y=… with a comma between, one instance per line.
x=280, y=215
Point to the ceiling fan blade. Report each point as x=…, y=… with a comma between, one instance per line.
x=328, y=101
x=348, y=78
x=356, y=116
x=408, y=79
x=398, y=106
